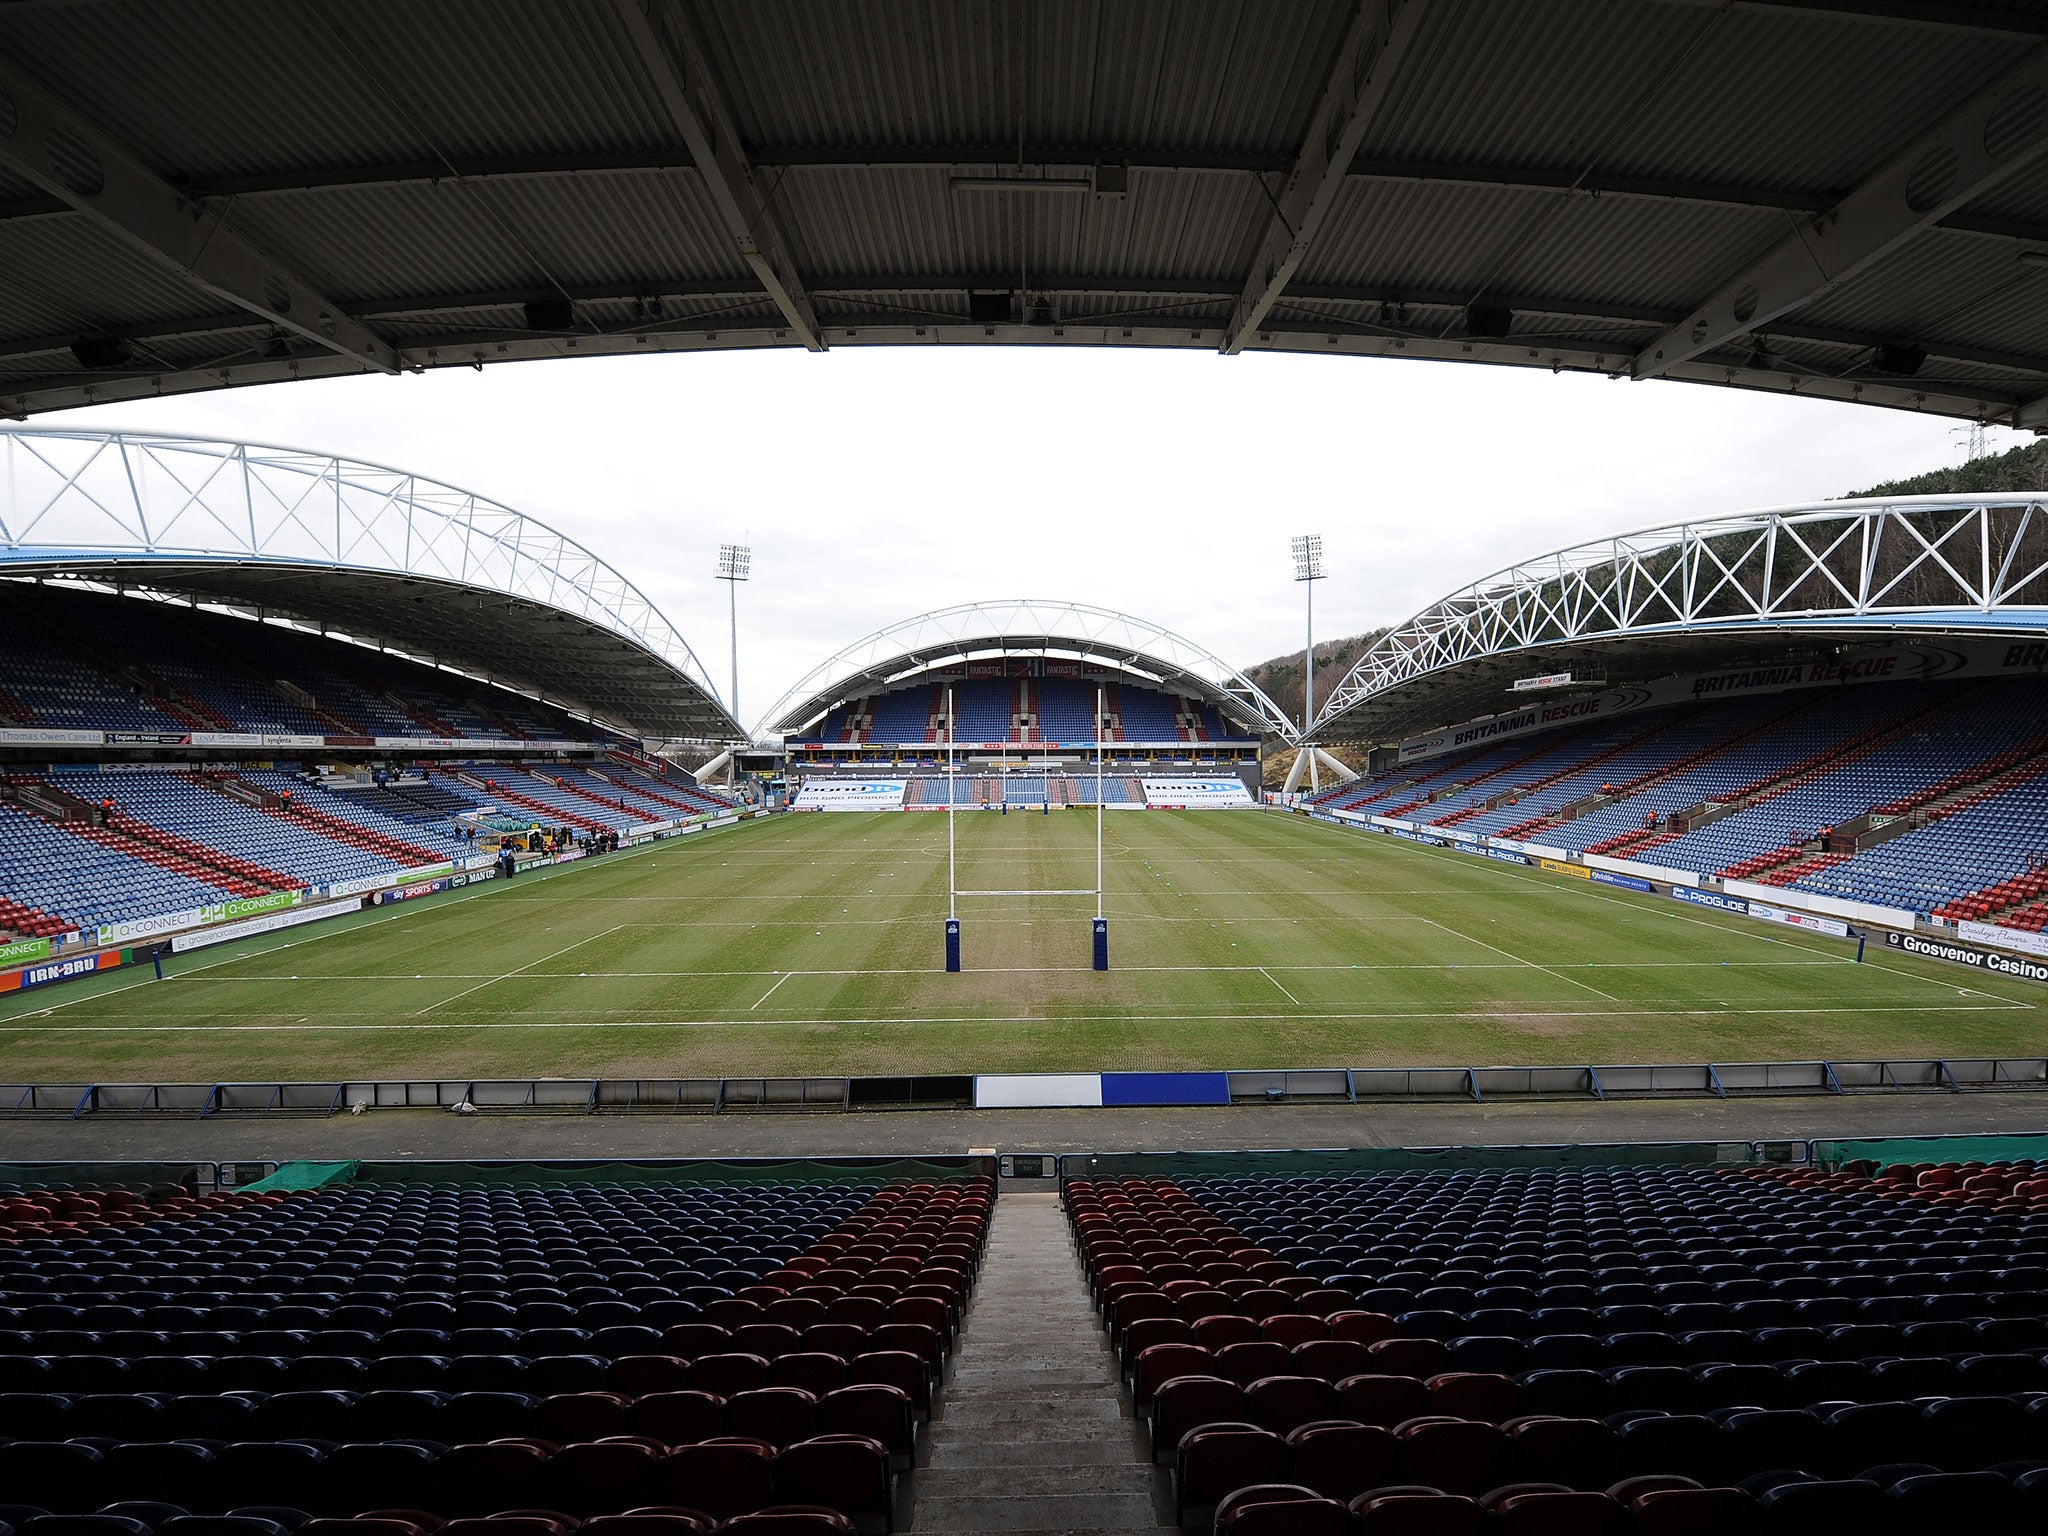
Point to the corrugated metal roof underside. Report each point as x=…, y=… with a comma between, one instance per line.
x=1598, y=169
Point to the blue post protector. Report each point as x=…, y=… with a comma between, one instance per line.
x=952, y=943
x=1101, y=943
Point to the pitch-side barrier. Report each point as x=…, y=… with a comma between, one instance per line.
x=1111, y=1090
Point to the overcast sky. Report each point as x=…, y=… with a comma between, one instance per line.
x=876, y=483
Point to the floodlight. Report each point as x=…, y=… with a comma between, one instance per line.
x=1308, y=557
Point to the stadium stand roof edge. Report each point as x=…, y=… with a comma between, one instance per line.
x=894, y=655
x=389, y=558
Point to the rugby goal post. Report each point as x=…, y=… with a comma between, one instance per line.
x=1100, y=931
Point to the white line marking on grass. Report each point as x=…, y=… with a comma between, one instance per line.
x=497, y=889
x=1061, y=970
x=1579, y=888
x=504, y=1021
x=507, y=976
x=1289, y=995
x=1768, y=938
x=1546, y=970
x=771, y=991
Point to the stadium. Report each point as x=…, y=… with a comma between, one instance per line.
x=1580, y=1068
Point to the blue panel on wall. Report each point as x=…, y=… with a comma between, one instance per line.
x=1165, y=1088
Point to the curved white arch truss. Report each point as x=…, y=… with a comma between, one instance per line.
x=1026, y=626
x=75, y=500
x=1925, y=564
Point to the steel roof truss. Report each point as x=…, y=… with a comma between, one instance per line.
x=1353, y=92
x=70, y=157
x=1817, y=563
x=1665, y=579
x=1947, y=167
x=2004, y=591
x=679, y=68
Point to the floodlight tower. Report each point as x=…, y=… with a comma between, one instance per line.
x=734, y=563
x=1308, y=569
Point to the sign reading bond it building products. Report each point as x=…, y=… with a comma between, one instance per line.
x=1195, y=794
x=850, y=795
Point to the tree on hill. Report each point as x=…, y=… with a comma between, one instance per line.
x=1281, y=680
x=2023, y=469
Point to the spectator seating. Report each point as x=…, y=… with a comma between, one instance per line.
x=1627, y=1349
x=85, y=661
x=1966, y=761
x=559, y=1352
x=1063, y=710
x=71, y=882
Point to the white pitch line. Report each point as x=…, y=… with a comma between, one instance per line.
x=1581, y=888
x=1062, y=970
x=771, y=991
x=1289, y=995
x=507, y=976
x=1546, y=970
x=1492, y=1014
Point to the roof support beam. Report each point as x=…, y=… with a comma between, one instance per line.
x=968, y=157
x=1938, y=14
x=679, y=69
x=1979, y=146
x=418, y=312
x=1356, y=88
x=70, y=158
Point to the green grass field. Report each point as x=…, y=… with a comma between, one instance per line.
x=814, y=945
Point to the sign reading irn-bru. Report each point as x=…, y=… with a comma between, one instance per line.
x=51, y=971
x=1904, y=663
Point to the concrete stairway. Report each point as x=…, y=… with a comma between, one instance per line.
x=1034, y=1437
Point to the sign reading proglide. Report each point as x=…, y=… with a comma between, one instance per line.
x=1991, y=960
x=1712, y=899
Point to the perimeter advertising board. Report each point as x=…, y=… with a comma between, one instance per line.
x=2003, y=938
x=850, y=795
x=50, y=972
x=1832, y=926
x=2023, y=966
x=1195, y=794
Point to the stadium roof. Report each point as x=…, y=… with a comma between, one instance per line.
x=377, y=554
x=1837, y=198
x=1158, y=657
x=1792, y=581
